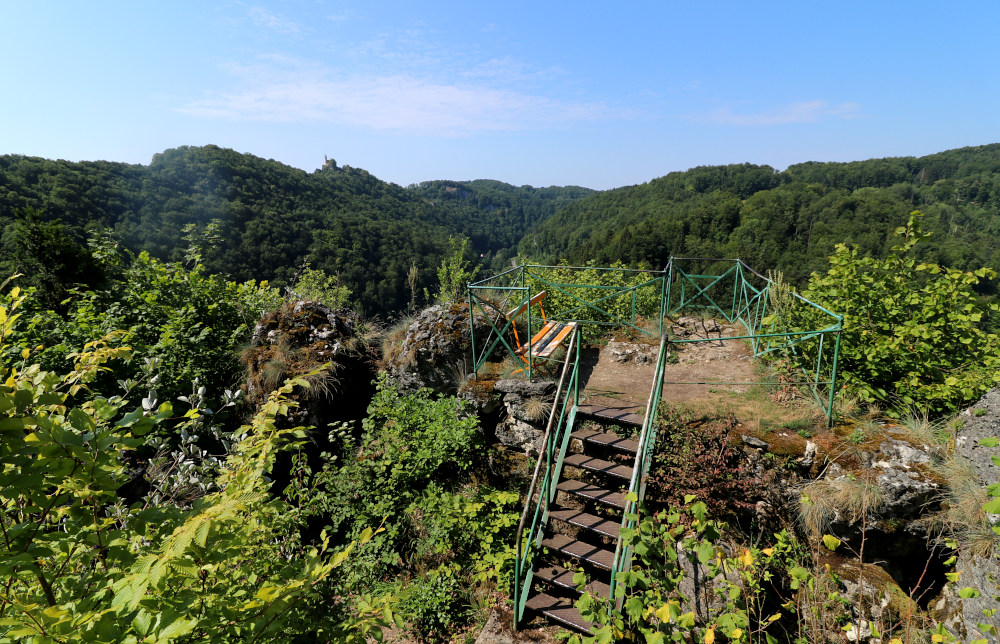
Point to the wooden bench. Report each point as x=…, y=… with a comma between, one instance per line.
x=547, y=340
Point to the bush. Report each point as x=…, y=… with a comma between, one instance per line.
x=568, y=305
x=435, y=605
x=79, y=566
x=914, y=331
x=182, y=325
x=696, y=459
x=409, y=442
x=473, y=529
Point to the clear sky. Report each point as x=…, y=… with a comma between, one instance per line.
x=598, y=94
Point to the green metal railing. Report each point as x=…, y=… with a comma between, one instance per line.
x=640, y=469
x=775, y=320
x=548, y=469
x=766, y=311
x=611, y=297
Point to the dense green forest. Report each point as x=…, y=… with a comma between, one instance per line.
x=369, y=235
x=787, y=220
x=146, y=495
x=272, y=218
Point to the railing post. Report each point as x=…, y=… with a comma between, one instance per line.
x=833, y=373
x=472, y=332
x=738, y=286
x=664, y=297
x=576, y=381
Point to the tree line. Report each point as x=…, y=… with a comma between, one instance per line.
x=272, y=220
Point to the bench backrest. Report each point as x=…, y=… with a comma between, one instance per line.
x=535, y=299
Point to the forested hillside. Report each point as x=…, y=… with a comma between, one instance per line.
x=788, y=220
x=365, y=232
x=383, y=243
x=187, y=458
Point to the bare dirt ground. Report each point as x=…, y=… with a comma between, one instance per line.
x=693, y=380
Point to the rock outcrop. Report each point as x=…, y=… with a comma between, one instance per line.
x=301, y=337
x=436, y=350
x=981, y=572
x=631, y=352
x=528, y=405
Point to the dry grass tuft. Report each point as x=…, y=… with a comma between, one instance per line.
x=509, y=366
x=392, y=341
x=918, y=428
x=323, y=384
x=961, y=516
x=847, y=498
x=873, y=412
x=846, y=406
x=537, y=409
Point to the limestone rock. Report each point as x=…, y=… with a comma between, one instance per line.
x=630, y=352
x=436, y=351
x=701, y=589
x=528, y=405
x=900, y=454
x=752, y=441
x=496, y=631
x=979, y=422
x=524, y=388
x=904, y=494
x=520, y=435
x=300, y=337
x=809, y=456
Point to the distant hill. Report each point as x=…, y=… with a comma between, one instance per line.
x=787, y=220
x=370, y=233
x=343, y=220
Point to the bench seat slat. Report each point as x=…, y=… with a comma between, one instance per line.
x=551, y=347
x=548, y=339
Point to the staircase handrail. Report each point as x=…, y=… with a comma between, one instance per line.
x=570, y=392
x=643, y=458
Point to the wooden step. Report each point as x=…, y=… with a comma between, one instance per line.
x=608, y=440
x=593, y=492
x=620, y=415
x=599, y=465
x=560, y=610
x=588, y=521
x=559, y=576
x=590, y=553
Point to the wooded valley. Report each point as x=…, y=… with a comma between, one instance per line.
x=216, y=423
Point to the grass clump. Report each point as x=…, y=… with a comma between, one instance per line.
x=846, y=498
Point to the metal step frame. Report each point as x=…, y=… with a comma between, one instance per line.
x=596, y=511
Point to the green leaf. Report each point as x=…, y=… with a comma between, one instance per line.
x=23, y=398
x=175, y=626
x=968, y=593
x=81, y=421
x=13, y=424
x=831, y=542
x=989, y=441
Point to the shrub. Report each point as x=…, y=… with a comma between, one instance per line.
x=913, y=331
x=436, y=605
x=79, y=566
x=595, y=286
x=697, y=459
x=409, y=441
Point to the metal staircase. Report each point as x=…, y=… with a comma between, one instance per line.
x=578, y=502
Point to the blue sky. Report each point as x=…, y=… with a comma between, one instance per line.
x=597, y=94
